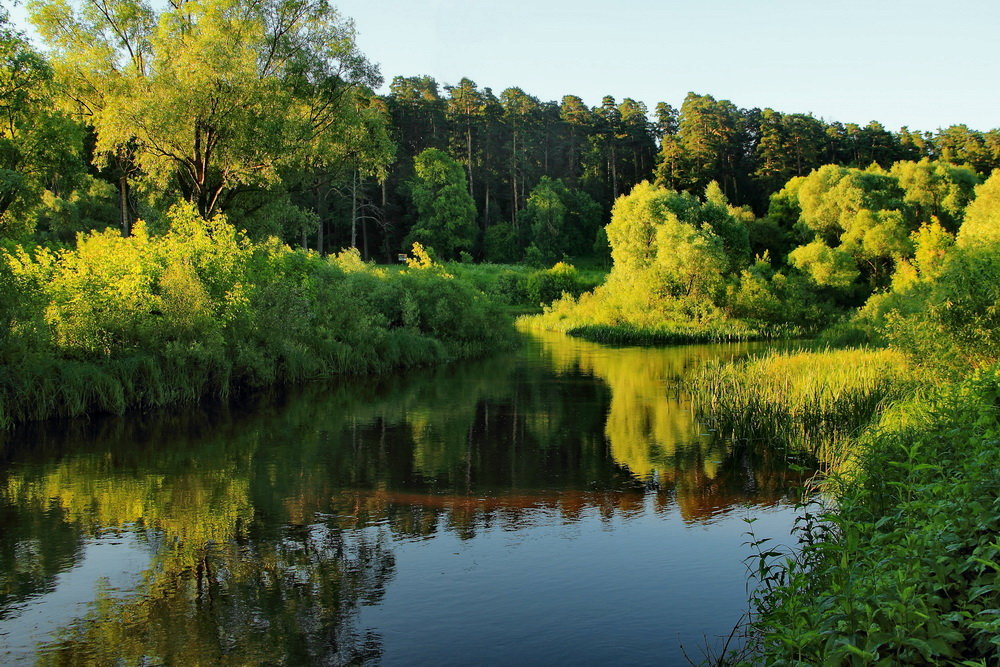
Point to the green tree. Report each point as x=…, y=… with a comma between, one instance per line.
x=561, y=220
x=936, y=190
x=982, y=217
x=826, y=266
x=446, y=213
x=214, y=98
x=40, y=147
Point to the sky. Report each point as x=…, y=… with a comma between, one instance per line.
x=920, y=64
x=916, y=63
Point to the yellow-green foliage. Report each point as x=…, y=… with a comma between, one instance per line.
x=683, y=272
x=982, y=218
x=523, y=287
x=815, y=397
x=149, y=320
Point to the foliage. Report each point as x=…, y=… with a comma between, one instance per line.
x=982, y=218
x=40, y=147
x=547, y=285
x=201, y=310
x=562, y=221
x=522, y=287
x=446, y=213
x=904, y=569
x=218, y=98
x=682, y=271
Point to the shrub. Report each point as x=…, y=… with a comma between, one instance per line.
x=200, y=310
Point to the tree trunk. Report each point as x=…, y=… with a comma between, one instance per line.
x=321, y=196
x=354, y=210
x=468, y=155
x=125, y=217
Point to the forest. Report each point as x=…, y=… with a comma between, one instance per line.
x=207, y=198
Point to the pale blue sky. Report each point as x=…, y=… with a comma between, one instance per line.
x=917, y=63
x=921, y=63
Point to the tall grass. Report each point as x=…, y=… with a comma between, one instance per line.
x=681, y=334
x=906, y=569
x=815, y=399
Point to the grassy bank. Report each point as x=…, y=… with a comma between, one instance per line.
x=898, y=556
x=905, y=571
x=814, y=399
x=556, y=318
x=154, y=320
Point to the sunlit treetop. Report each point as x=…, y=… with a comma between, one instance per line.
x=216, y=97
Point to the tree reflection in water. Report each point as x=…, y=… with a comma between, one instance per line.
x=271, y=525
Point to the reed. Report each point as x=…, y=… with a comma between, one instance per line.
x=804, y=398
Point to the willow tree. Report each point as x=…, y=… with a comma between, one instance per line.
x=40, y=148
x=213, y=99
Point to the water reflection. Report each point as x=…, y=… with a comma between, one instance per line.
x=268, y=528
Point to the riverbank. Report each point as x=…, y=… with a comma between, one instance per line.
x=201, y=311
x=904, y=571
x=897, y=558
x=626, y=333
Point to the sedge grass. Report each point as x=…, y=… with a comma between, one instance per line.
x=816, y=400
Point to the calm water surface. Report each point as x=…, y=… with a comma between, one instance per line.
x=555, y=505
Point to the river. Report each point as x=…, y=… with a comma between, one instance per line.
x=555, y=505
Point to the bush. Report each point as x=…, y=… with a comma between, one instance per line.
x=905, y=570
x=543, y=287
x=200, y=310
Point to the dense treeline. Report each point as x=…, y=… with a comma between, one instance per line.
x=267, y=112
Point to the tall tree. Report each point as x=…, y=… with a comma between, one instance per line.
x=214, y=98
x=446, y=213
x=40, y=147
x=466, y=107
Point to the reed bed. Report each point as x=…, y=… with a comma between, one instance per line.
x=630, y=334
x=816, y=400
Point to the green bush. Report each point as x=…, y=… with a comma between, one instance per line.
x=904, y=570
x=549, y=284
x=200, y=310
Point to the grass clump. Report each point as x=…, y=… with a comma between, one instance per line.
x=812, y=398
x=905, y=569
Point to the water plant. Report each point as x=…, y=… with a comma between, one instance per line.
x=816, y=399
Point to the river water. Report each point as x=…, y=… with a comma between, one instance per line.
x=555, y=505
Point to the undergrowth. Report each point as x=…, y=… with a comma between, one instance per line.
x=903, y=568
x=154, y=320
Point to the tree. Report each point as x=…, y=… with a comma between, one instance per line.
x=465, y=110
x=40, y=147
x=446, y=213
x=214, y=99
x=545, y=215
x=561, y=220
x=826, y=266
x=982, y=217
x=709, y=146
x=578, y=119
x=936, y=190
